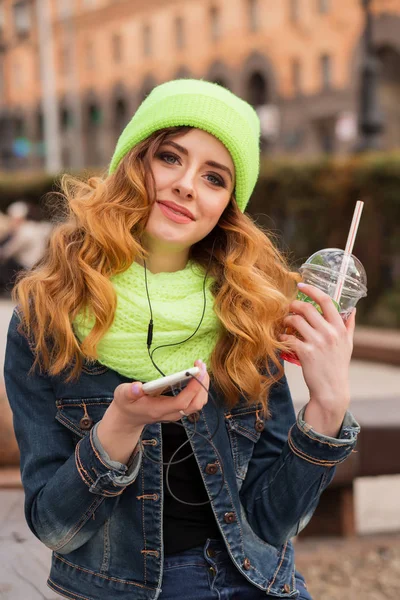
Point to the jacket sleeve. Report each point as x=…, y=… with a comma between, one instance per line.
x=70, y=490
x=290, y=467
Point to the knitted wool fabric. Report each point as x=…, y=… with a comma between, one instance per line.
x=207, y=106
x=177, y=301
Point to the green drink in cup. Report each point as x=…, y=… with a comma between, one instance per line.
x=324, y=270
x=336, y=272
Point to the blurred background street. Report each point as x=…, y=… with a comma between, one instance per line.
x=324, y=77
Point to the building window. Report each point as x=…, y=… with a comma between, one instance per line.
x=179, y=33
x=252, y=7
x=116, y=44
x=39, y=126
x=326, y=71
x=22, y=18
x=220, y=81
x=257, y=89
x=19, y=127
x=66, y=120
x=325, y=131
x=147, y=41
x=95, y=116
x=296, y=77
x=215, y=20
x=323, y=6
x=294, y=10
x=120, y=116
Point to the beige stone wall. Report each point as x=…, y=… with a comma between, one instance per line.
x=85, y=62
x=335, y=33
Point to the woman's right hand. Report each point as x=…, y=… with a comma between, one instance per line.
x=139, y=409
x=131, y=409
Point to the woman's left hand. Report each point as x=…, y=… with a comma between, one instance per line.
x=324, y=352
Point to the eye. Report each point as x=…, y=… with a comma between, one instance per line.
x=170, y=159
x=216, y=180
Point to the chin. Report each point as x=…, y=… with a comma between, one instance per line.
x=169, y=235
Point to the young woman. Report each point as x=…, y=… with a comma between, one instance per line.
x=195, y=493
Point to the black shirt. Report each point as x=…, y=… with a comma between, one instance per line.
x=184, y=526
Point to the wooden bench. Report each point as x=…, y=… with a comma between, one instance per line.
x=377, y=453
x=377, y=345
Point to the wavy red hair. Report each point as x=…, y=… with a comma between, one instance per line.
x=100, y=236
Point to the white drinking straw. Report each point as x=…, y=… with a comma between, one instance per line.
x=349, y=249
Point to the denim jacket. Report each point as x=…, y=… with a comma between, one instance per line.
x=103, y=520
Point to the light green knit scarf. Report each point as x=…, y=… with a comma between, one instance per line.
x=177, y=301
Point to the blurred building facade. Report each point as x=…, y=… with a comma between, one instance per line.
x=72, y=72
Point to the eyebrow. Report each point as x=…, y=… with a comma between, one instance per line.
x=210, y=163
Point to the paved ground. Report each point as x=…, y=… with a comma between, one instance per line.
x=364, y=568
x=334, y=570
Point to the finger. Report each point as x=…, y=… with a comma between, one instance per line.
x=201, y=397
x=308, y=311
x=160, y=406
x=328, y=308
x=290, y=340
x=351, y=322
x=198, y=402
x=193, y=387
x=132, y=391
x=299, y=347
x=174, y=416
x=299, y=323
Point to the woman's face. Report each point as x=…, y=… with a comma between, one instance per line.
x=194, y=180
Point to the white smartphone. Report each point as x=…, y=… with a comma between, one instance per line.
x=157, y=386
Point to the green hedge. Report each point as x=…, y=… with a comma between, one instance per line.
x=310, y=206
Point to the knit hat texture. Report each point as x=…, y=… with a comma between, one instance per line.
x=207, y=106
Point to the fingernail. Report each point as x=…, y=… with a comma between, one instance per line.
x=301, y=285
x=135, y=389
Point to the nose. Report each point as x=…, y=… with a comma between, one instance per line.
x=184, y=187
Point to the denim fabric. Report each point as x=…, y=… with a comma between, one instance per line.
x=103, y=520
x=207, y=573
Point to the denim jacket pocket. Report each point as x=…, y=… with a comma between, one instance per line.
x=81, y=414
x=245, y=424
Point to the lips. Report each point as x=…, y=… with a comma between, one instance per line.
x=177, y=208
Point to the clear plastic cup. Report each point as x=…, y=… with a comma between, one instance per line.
x=322, y=270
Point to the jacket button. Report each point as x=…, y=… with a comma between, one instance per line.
x=194, y=417
x=286, y=588
x=229, y=517
x=211, y=469
x=259, y=426
x=86, y=423
x=246, y=564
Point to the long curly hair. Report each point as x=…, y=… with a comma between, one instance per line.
x=100, y=236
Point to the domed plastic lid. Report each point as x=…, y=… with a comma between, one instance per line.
x=329, y=261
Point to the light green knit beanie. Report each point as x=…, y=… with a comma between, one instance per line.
x=206, y=106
